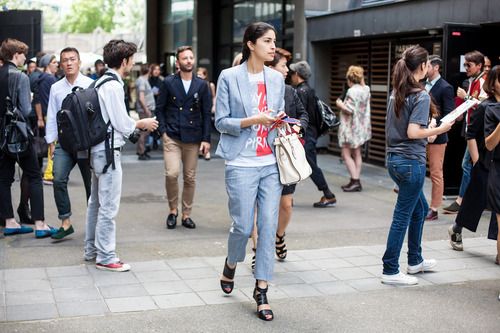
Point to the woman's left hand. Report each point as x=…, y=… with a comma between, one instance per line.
x=339, y=103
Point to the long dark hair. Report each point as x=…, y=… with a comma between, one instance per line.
x=403, y=82
x=489, y=84
x=253, y=32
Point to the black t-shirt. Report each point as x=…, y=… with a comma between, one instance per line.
x=491, y=120
x=475, y=130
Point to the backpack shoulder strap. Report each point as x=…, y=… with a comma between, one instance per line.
x=110, y=77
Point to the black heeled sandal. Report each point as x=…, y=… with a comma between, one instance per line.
x=260, y=296
x=228, y=273
x=253, y=259
x=280, y=247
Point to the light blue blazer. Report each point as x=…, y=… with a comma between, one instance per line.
x=234, y=102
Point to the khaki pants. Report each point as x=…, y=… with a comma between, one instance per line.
x=141, y=147
x=436, y=158
x=175, y=152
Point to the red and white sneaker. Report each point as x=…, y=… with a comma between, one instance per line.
x=114, y=267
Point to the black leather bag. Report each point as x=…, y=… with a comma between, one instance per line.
x=16, y=134
x=39, y=144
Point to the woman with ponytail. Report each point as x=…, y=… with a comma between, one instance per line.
x=250, y=98
x=407, y=131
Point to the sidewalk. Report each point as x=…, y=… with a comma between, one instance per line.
x=73, y=291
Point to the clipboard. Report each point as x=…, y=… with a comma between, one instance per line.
x=461, y=109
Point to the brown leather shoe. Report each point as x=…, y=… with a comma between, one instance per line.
x=324, y=202
x=432, y=215
x=354, y=187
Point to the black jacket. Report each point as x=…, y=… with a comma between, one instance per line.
x=476, y=130
x=294, y=107
x=184, y=117
x=444, y=97
x=308, y=98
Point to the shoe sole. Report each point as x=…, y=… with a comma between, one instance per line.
x=111, y=269
x=171, y=227
x=450, y=212
x=399, y=283
x=325, y=206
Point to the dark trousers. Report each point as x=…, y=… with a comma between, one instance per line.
x=475, y=199
x=317, y=175
x=64, y=162
x=31, y=170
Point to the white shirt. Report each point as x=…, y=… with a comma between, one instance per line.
x=58, y=93
x=112, y=103
x=186, y=85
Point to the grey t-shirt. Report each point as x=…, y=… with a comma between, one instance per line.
x=143, y=85
x=416, y=111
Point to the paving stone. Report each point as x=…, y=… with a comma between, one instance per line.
x=294, y=256
x=149, y=266
x=479, y=262
x=124, y=290
x=26, y=285
x=437, y=245
x=86, y=308
x=2, y=299
x=72, y=282
x=450, y=265
x=2, y=286
x=364, y=260
x=376, y=250
x=300, y=290
x=297, y=266
x=350, y=273
x=76, y=294
x=157, y=276
x=331, y=263
x=375, y=270
x=67, y=271
x=204, y=284
x=128, y=304
x=452, y=254
x=281, y=279
x=3, y=315
x=217, y=262
x=368, y=284
x=442, y=277
x=314, y=276
x=482, y=250
x=25, y=274
x=31, y=312
x=438, y=255
x=184, y=263
x=178, y=300
x=334, y=288
x=273, y=293
x=495, y=270
x=478, y=242
x=114, y=278
x=478, y=274
x=218, y=297
x=345, y=252
x=315, y=254
x=29, y=297
x=193, y=273
x=166, y=287
x=243, y=270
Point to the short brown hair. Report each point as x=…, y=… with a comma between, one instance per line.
x=355, y=74
x=278, y=54
x=144, y=69
x=116, y=50
x=475, y=57
x=10, y=47
x=489, y=84
x=181, y=49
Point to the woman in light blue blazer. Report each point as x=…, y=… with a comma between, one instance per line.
x=250, y=98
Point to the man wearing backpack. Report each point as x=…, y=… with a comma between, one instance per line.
x=100, y=238
x=184, y=113
x=15, y=85
x=300, y=73
x=65, y=161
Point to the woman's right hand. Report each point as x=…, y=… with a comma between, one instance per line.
x=445, y=127
x=263, y=118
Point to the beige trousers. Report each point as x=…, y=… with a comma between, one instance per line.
x=435, y=153
x=175, y=153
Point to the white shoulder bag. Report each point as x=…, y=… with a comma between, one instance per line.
x=290, y=156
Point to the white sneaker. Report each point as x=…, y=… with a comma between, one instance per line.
x=399, y=278
x=424, y=266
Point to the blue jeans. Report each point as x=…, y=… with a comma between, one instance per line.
x=248, y=188
x=64, y=162
x=311, y=155
x=466, y=167
x=409, y=213
x=104, y=202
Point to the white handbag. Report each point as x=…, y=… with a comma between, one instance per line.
x=291, y=157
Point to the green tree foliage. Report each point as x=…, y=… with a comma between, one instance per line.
x=87, y=15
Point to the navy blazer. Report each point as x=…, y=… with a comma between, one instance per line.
x=184, y=117
x=233, y=104
x=444, y=97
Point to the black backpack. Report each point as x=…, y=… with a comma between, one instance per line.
x=327, y=118
x=80, y=124
x=15, y=132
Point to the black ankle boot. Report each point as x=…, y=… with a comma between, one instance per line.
x=354, y=187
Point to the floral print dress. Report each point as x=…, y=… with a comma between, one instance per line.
x=355, y=128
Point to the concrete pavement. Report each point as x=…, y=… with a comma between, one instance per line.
x=329, y=283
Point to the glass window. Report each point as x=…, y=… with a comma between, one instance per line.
x=225, y=26
x=244, y=14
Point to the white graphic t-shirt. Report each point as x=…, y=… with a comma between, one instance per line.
x=257, y=151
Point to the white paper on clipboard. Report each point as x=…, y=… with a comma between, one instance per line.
x=461, y=109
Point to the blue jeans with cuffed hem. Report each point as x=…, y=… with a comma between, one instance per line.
x=247, y=189
x=466, y=168
x=409, y=213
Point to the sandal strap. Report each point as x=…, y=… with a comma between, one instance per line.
x=260, y=295
x=281, y=239
x=228, y=272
